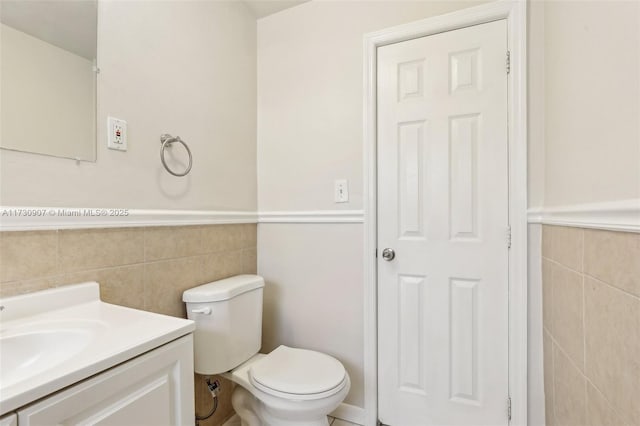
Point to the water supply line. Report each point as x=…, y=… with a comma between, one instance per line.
x=214, y=389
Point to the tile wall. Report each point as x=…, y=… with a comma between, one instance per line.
x=143, y=268
x=591, y=316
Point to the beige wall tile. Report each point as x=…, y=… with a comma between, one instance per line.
x=569, y=397
x=170, y=242
x=177, y=258
x=568, y=328
x=599, y=412
x=249, y=235
x=547, y=294
x=250, y=265
x=123, y=285
x=612, y=331
x=213, y=267
x=219, y=238
x=614, y=257
x=84, y=249
x=166, y=280
x=234, y=262
x=15, y=288
x=548, y=378
x=27, y=255
x=567, y=246
x=204, y=402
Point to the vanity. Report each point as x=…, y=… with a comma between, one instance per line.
x=66, y=357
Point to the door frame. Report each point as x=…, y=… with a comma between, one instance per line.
x=515, y=12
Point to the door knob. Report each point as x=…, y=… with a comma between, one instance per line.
x=388, y=254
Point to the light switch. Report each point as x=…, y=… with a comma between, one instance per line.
x=341, y=188
x=117, y=134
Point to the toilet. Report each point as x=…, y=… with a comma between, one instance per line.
x=286, y=387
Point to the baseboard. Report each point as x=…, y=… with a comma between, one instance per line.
x=349, y=413
x=621, y=215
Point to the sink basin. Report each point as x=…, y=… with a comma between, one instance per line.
x=37, y=347
x=57, y=337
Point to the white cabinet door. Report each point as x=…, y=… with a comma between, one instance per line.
x=9, y=420
x=443, y=208
x=153, y=389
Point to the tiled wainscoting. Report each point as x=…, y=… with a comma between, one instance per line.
x=145, y=268
x=591, y=311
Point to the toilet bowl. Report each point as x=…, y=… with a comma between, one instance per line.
x=286, y=387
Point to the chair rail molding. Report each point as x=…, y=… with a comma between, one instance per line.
x=21, y=218
x=312, y=216
x=622, y=215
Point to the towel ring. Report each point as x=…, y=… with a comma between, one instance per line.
x=166, y=140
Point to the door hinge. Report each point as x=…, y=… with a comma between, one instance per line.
x=509, y=408
x=508, y=62
x=509, y=236
x=376, y=253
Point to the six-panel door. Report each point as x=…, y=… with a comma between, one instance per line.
x=443, y=208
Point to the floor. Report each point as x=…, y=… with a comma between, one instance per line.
x=340, y=422
x=235, y=421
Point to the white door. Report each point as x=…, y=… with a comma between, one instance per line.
x=443, y=209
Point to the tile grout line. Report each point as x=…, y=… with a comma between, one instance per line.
x=61, y=274
x=591, y=277
x=583, y=374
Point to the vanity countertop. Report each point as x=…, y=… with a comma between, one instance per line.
x=55, y=338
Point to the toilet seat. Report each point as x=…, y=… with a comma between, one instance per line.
x=298, y=374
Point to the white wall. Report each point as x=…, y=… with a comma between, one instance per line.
x=180, y=67
x=592, y=101
x=310, y=133
x=310, y=97
x=313, y=292
x=38, y=78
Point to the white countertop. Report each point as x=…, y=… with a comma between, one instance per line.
x=116, y=334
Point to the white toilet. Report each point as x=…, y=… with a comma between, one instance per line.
x=286, y=387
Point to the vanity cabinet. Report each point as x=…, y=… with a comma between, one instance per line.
x=9, y=420
x=155, y=388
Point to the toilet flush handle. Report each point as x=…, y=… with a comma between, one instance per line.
x=203, y=311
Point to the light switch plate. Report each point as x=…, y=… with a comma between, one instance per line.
x=341, y=191
x=116, y=134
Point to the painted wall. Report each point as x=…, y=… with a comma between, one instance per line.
x=310, y=133
x=589, y=70
x=185, y=68
x=592, y=101
x=38, y=78
x=310, y=97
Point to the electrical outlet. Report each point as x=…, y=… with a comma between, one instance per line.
x=117, y=134
x=341, y=191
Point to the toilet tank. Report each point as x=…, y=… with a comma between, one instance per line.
x=228, y=317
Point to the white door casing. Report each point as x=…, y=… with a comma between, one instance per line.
x=443, y=206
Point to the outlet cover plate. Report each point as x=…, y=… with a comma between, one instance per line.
x=116, y=134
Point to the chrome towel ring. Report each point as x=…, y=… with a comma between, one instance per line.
x=166, y=140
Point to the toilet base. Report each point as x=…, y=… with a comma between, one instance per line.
x=253, y=412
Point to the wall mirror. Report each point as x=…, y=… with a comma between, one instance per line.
x=48, y=77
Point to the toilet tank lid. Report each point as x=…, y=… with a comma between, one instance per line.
x=225, y=289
